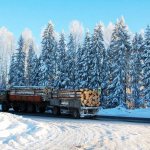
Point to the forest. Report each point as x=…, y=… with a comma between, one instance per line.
x=121, y=70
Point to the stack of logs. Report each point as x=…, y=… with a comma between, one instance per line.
x=88, y=98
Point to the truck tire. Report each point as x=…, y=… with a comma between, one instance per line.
x=42, y=109
x=5, y=107
x=16, y=108
x=31, y=108
x=76, y=114
x=34, y=109
x=23, y=107
x=56, y=110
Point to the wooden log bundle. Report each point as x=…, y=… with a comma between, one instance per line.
x=88, y=98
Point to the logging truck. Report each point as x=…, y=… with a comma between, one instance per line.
x=78, y=103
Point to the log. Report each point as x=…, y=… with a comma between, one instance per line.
x=86, y=96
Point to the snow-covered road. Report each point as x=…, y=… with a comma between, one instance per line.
x=18, y=132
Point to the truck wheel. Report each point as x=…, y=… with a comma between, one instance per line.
x=23, y=107
x=76, y=114
x=16, y=108
x=56, y=111
x=31, y=108
x=5, y=107
x=42, y=109
x=34, y=109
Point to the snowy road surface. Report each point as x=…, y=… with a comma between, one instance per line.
x=18, y=132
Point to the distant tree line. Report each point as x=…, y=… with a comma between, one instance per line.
x=122, y=70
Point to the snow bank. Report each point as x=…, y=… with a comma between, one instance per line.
x=57, y=133
x=119, y=111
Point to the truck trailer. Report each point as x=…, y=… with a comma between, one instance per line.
x=32, y=99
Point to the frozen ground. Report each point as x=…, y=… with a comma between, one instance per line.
x=141, y=113
x=47, y=133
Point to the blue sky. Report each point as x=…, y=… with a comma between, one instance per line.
x=34, y=14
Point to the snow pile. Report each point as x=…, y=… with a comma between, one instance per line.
x=65, y=134
x=119, y=111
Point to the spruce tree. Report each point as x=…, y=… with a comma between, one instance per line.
x=120, y=48
x=48, y=57
x=3, y=81
x=83, y=63
x=146, y=65
x=136, y=70
x=12, y=70
x=79, y=73
x=87, y=64
x=71, y=63
x=31, y=66
x=106, y=74
x=61, y=63
x=97, y=57
x=20, y=64
x=37, y=74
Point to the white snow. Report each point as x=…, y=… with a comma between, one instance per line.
x=119, y=111
x=47, y=133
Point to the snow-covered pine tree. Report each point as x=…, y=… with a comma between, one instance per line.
x=12, y=70
x=79, y=82
x=141, y=74
x=83, y=63
x=146, y=65
x=120, y=48
x=31, y=66
x=61, y=63
x=87, y=76
x=55, y=62
x=97, y=58
x=20, y=64
x=136, y=70
x=37, y=74
x=48, y=57
x=71, y=63
x=104, y=99
x=3, y=81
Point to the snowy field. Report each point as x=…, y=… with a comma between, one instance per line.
x=46, y=133
x=140, y=113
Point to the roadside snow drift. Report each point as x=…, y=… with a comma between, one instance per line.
x=119, y=111
x=47, y=133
